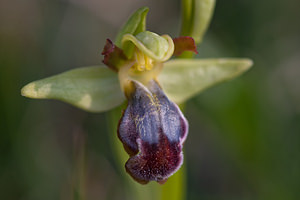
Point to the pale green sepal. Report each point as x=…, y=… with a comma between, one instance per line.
x=135, y=24
x=181, y=79
x=159, y=48
x=93, y=89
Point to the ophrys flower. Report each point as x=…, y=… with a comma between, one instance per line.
x=152, y=128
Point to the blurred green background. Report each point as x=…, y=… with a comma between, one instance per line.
x=244, y=139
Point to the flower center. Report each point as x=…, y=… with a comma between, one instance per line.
x=143, y=62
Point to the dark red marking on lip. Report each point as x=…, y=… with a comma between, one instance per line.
x=155, y=162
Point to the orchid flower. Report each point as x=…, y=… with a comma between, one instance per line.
x=138, y=69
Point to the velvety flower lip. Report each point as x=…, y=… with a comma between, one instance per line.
x=152, y=130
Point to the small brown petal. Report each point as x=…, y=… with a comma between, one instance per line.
x=114, y=57
x=184, y=43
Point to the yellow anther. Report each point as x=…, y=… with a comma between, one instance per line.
x=148, y=63
x=141, y=68
x=143, y=62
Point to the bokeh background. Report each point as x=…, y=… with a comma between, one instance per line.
x=244, y=139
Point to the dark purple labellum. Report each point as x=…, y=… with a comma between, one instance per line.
x=152, y=130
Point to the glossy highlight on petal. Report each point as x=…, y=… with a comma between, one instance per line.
x=152, y=130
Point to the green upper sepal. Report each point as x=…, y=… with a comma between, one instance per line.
x=135, y=24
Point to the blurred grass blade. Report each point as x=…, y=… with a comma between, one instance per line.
x=183, y=78
x=93, y=89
